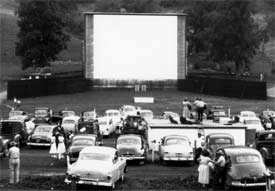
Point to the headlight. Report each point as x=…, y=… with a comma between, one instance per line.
x=109, y=177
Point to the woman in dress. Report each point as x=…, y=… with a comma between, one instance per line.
x=204, y=169
x=53, y=148
x=61, y=147
x=186, y=108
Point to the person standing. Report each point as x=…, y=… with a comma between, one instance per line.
x=204, y=170
x=14, y=162
x=220, y=170
x=61, y=149
x=199, y=142
x=201, y=106
x=186, y=108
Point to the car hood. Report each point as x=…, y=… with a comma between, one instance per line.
x=239, y=171
x=177, y=149
x=92, y=166
x=41, y=135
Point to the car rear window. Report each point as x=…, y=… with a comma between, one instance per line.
x=176, y=141
x=221, y=141
x=129, y=141
x=247, y=158
x=84, y=142
x=94, y=156
x=68, y=121
x=43, y=129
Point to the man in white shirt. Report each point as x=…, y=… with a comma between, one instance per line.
x=199, y=142
x=14, y=162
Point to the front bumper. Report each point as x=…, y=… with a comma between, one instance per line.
x=133, y=157
x=178, y=158
x=257, y=184
x=95, y=182
x=39, y=144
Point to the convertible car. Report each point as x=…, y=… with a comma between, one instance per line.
x=98, y=166
x=245, y=167
x=175, y=148
x=79, y=142
x=41, y=136
x=132, y=147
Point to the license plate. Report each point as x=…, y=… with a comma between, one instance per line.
x=178, y=155
x=37, y=140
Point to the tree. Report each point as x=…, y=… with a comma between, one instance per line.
x=41, y=35
x=234, y=36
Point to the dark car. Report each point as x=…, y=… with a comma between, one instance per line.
x=13, y=130
x=78, y=142
x=245, y=167
x=41, y=136
x=134, y=124
x=42, y=115
x=89, y=127
x=214, y=141
x=132, y=147
x=265, y=143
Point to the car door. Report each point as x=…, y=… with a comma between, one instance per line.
x=118, y=166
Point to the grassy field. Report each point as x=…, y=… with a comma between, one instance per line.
x=164, y=100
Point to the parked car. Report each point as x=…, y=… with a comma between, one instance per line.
x=78, y=142
x=89, y=127
x=216, y=112
x=41, y=136
x=16, y=113
x=98, y=166
x=128, y=110
x=268, y=119
x=134, y=124
x=88, y=115
x=245, y=167
x=214, y=141
x=70, y=124
x=106, y=126
x=175, y=148
x=132, y=147
x=253, y=123
x=66, y=113
x=114, y=115
x=245, y=115
x=147, y=114
x=42, y=115
x=265, y=143
x=13, y=130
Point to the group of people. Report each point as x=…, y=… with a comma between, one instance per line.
x=198, y=105
x=58, y=141
x=215, y=168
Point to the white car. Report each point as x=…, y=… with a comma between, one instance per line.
x=253, y=123
x=114, y=115
x=106, y=126
x=147, y=114
x=126, y=110
x=70, y=123
x=246, y=114
x=97, y=165
x=175, y=148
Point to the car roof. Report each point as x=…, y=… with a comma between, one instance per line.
x=129, y=135
x=46, y=125
x=84, y=136
x=175, y=136
x=112, y=110
x=98, y=149
x=240, y=150
x=74, y=117
x=12, y=120
x=251, y=118
x=219, y=135
x=41, y=108
x=266, y=132
x=247, y=112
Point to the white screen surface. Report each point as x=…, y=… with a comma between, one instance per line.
x=135, y=47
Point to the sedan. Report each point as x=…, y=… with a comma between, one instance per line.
x=106, y=126
x=132, y=147
x=41, y=136
x=245, y=167
x=98, y=166
x=175, y=148
x=79, y=142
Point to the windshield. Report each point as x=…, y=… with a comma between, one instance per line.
x=89, y=114
x=112, y=114
x=248, y=115
x=41, y=112
x=247, y=158
x=252, y=122
x=176, y=141
x=68, y=121
x=129, y=141
x=83, y=142
x=147, y=114
x=43, y=129
x=95, y=156
x=128, y=109
x=68, y=113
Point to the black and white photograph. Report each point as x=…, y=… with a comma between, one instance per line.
x=137, y=95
